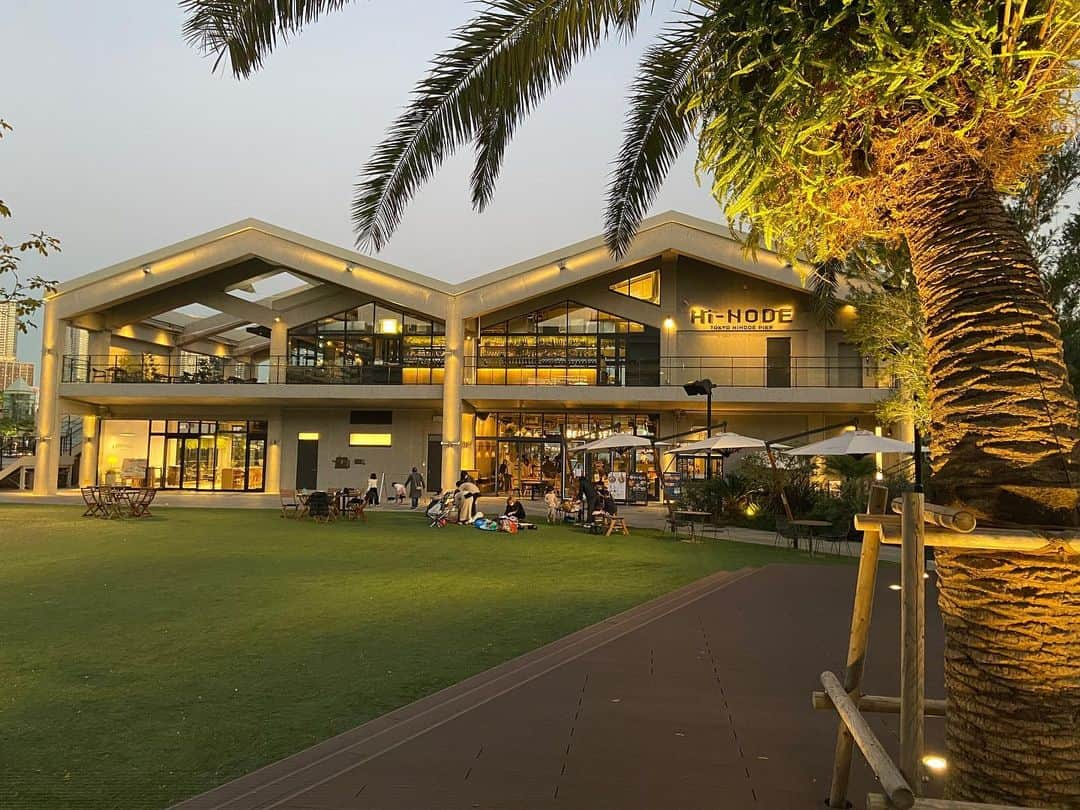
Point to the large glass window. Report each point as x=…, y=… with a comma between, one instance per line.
x=568, y=344
x=527, y=451
x=371, y=344
x=183, y=454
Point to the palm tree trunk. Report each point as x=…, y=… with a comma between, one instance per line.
x=1006, y=443
x=1006, y=432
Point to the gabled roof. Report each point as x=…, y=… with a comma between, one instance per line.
x=323, y=262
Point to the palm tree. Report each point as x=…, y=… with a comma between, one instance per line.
x=823, y=123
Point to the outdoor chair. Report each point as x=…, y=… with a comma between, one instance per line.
x=785, y=532
x=615, y=523
x=837, y=535
x=140, y=502
x=92, y=499
x=114, y=502
x=715, y=524
x=289, y=503
x=318, y=507
x=673, y=521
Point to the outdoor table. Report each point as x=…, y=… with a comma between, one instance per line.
x=532, y=485
x=809, y=525
x=693, y=517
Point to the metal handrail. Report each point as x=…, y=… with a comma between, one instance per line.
x=748, y=371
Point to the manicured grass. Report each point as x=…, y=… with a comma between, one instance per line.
x=142, y=662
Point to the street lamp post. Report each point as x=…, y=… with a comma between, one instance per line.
x=699, y=388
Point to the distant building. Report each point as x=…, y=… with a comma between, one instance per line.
x=11, y=370
x=18, y=401
x=8, y=330
x=76, y=342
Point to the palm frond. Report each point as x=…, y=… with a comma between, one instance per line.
x=823, y=284
x=506, y=60
x=658, y=126
x=245, y=32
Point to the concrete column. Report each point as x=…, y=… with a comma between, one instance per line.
x=274, y=438
x=88, y=463
x=279, y=348
x=451, y=417
x=47, y=463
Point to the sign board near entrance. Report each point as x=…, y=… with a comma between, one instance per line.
x=673, y=485
x=637, y=488
x=741, y=319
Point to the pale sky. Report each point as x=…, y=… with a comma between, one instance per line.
x=125, y=141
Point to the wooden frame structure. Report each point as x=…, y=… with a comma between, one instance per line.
x=948, y=528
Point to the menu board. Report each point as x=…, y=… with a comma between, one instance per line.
x=637, y=488
x=616, y=482
x=673, y=485
x=134, y=468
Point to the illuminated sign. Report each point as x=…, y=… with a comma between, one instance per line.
x=741, y=319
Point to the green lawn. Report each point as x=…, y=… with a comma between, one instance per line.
x=145, y=661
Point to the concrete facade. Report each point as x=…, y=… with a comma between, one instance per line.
x=227, y=398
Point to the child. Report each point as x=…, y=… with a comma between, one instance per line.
x=400, y=493
x=373, y=490
x=552, y=501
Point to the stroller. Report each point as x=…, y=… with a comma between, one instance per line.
x=441, y=509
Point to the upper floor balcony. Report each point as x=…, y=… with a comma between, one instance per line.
x=726, y=372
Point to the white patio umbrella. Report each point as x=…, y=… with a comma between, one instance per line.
x=616, y=441
x=853, y=443
x=723, y=442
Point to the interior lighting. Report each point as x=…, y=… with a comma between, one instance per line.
x=370, y=439
x=308, y=437
x=389, y=326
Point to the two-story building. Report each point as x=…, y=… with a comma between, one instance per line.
x=363, y=366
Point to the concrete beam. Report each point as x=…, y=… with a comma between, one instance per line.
x=250, y=311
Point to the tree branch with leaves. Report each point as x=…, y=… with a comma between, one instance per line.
x=26, y=294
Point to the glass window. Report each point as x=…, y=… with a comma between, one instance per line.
x=643, y=287
x=583, y=320
x=552, y=321
x=524, y=325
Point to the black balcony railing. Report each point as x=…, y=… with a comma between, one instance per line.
x=222, y=370
x=728, y=372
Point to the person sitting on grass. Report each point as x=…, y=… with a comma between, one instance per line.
x=514, y=509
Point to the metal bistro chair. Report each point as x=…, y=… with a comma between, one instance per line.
x=672, y=521
x=785, y=532
x=838, y=535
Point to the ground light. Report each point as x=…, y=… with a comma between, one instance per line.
x=935, y=763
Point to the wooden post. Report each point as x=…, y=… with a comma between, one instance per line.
x=892, y=781
x=913, y=639
x=856, y=660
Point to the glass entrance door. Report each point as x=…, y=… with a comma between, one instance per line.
x=189, y=464
x=197, y=463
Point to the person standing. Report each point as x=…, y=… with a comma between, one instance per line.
x=416, y=486
x=505, y=481
x=467, y=505
x=373, y=490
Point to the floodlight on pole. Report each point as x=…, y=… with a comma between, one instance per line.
x=704, y=388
